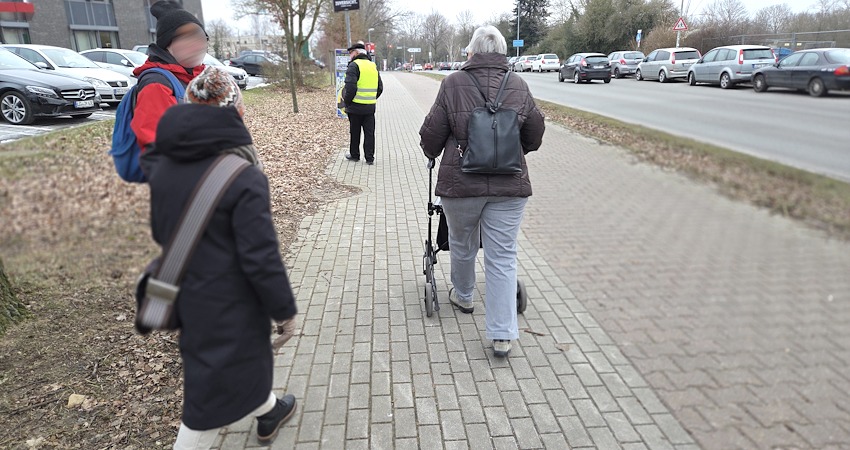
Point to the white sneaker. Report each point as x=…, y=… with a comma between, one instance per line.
x=464, y=307
x=501, y=348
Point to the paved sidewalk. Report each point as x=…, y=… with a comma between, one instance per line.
x=371, y=371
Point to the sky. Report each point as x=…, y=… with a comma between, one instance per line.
x=482, y=9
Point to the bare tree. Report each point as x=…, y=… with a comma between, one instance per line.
x=466, y=26
x=220, y=32
x=775, y=18
x=730, y=15
x=435, y=29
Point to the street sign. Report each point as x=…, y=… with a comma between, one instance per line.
x=370, y=47
x=346, y=5
x=415, y=50
x=519, y=43
x=637, y=38
x=680, y=25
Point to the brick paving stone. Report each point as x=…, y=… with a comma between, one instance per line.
x=371, y=371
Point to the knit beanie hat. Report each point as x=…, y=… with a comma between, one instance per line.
x=169, y=17
x=214, y=86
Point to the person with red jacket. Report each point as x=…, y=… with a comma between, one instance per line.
x=180, y=48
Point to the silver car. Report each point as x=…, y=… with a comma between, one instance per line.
x=523, y=64
x=730, y=65
x=667, y=63
x=625, y=62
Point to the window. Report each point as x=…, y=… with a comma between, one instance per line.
x=115, y=58
x=95, y=56
x=710, y=56
x=838, y=56
x=89, y=39
x=809, y=59
x=758, y=53
x=15, y=35
x=662, y=56
x=32, y=56
x=596, y=59
x=791, y=61
x=652, y=56
x=90, y=13
x=633, y=55
x=689, y=54
x=613, y=56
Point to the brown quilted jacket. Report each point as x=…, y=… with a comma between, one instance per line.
x=449, y=118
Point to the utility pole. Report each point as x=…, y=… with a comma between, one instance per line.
x=517, y=25
x=348, y=27
x=681, y=14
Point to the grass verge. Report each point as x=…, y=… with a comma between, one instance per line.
x=817, y=200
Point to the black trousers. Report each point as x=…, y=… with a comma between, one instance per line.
x=366, y=122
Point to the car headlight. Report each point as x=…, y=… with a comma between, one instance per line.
x=97, y=82
x=42, y=92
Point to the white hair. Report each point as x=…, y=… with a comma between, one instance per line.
x=487, y=39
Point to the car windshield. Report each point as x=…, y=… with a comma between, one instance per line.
x=760, y=53
x=211, y=61
x=838, y=56
x=550, y=56
x=68, y=59
x=596, y=59
x=690, y=54
x=633, y=55
x=9, y=60
x=136, y=58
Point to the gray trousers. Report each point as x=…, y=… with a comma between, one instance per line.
x=498, y=219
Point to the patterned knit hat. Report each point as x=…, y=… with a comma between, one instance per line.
x=214, y=86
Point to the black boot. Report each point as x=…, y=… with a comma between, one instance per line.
x=269, y=423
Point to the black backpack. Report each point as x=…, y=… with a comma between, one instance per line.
x=493, y=145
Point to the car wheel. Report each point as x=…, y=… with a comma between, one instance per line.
x=759, y=83
x=692, y=79
x=16, y=109
x=607, y=80
x=638, y=75
x=816, y=88
x=725, y=81
x=662, y=77
x=576, y=78
x=617, y=73
x=560, y=77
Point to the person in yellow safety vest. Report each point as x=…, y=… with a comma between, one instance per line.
x=363, y=87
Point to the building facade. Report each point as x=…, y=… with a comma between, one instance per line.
x=82, y=24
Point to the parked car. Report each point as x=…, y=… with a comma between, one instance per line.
x=625, y=62
x=141, y=48
x=252, y=63
x=445, y=66
x=511, y=62
x=815, y=71
x=457, y=65
x=667, y=63
x=730, y=65
x=585, y=67
x=546, y=62
x=117, y=60
x=523, y=64
x=417, y=67
x=428, y=66
x=29, y=93
x=110, y=86
x=240, y=75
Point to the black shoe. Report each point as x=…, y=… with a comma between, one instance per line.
x=351, y=158
x=370, y=161
x=269, y=423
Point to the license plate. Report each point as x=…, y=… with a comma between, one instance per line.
x=599, y=67
x=121, y=91
x=757, y=66
x=84, y=104
x=687, y=64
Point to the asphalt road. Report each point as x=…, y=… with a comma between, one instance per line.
x=9, y=133
x=784, y=126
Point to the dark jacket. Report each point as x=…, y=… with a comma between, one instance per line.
x=449, y=118
x=352, y=74
x=235, y=282
x=155, y=94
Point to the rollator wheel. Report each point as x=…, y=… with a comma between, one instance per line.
x=521, y=297
x=429, y=299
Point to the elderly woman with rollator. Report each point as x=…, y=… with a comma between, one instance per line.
x=483, y=204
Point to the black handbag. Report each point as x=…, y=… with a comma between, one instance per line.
x=493, y=144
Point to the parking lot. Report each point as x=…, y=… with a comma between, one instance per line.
x=9, y=133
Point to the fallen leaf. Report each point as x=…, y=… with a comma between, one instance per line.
x=536, y=333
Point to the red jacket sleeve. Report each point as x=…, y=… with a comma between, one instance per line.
x=151, y=103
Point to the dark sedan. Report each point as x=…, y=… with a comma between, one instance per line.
x=585, y=67
x=27, y=92
x=252, y=63
x=815, y=71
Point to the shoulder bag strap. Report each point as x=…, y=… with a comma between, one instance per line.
x=498, y=102
x=208, y=192
x=478, y=86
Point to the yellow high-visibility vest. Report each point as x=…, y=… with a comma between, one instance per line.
x=367, y=84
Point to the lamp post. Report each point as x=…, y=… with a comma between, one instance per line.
x=369, y=32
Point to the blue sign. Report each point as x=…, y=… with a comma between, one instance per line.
x=519, y=43
x=637, y=38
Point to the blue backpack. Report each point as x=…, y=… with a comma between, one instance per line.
x=125, y=149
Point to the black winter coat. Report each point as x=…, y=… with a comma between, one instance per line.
x=235, y=282
x=352, y=74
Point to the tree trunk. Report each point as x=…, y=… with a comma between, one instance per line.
x=11, y=309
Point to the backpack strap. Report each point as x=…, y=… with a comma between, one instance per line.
x=492, y=106
x=165, y=284
x=160, y=76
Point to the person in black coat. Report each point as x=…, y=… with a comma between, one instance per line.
x=235, y=283
x=363, y=87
